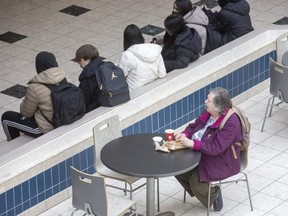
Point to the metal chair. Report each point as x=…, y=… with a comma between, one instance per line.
x=89, y=194
x=244, y=164
x=281, y=46
x=104, y=132
x=278, y=87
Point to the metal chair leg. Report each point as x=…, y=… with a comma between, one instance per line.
x=267, y=107
x=248, y=189
x=209, y=195
x=184, y=199
x=158, y=195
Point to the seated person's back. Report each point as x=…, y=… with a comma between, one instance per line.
x=182, y=45
x=233, y=20
x=37, y=104
x=140, y=62
x=194, y=17
x=87, y=56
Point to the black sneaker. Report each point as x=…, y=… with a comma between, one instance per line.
x=218, y=203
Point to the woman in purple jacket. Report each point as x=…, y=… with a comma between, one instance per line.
x=220, y=155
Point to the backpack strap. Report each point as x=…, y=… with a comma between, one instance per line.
x=227, y=116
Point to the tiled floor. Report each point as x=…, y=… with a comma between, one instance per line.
x=267, y=172
x=59, y=26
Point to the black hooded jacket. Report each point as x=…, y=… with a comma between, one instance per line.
x=233, y=20
x=179, y=51
x=89, y=85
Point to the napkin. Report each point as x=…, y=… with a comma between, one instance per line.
x=169, y=146
x=159, y=147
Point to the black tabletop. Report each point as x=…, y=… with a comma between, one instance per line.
x=135, y=155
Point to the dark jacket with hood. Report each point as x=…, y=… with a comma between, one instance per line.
x=178, y=51
x=89, y=85
x=233, y=20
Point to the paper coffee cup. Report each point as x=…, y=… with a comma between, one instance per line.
x=169, y=134
x=158, y=139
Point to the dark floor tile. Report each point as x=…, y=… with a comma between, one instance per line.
x=11, y=37
x=208, y=3
x=151, y=30
x=74, y=10
x=17, y=91
x=282, y=21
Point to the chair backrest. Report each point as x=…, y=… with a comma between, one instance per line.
x=278, y=80
x=281, y=46
x=104, y=132
x=243, y=159
x=88, y=192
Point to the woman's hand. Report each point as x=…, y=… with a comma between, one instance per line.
x=179, y=136
x=187, y=142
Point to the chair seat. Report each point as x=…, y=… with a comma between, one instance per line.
x=105, y=171
x=118, y=205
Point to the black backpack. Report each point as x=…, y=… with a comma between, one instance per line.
x=213, y=39
x=68, y=103
x=112, y=84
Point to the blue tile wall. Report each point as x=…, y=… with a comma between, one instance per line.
x=57, y=178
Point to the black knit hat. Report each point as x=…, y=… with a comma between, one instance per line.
x=45, y=60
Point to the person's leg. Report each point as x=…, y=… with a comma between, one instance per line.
x=183, y=179
x=200, y=189
x=13, y=123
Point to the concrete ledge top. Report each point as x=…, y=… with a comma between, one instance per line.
x=145, y=100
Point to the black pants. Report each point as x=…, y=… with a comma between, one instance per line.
x=13, y=123
x=191, y=183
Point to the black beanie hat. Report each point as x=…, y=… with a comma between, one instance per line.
x=45, y=60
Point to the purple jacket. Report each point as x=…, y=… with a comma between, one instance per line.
x=217, y=161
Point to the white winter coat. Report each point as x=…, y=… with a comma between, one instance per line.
x=142, y=63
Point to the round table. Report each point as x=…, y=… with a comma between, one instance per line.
x=135, y=155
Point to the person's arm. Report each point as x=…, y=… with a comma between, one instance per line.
x=30, y=103
x=161, y=68
x=181, y=60
x=125, y=63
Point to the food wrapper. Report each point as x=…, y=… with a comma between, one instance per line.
x=169, y=146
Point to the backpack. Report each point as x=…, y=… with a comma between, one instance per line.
x=213, y=39
x=245, y=125
x=112, y=84
x=68, y=103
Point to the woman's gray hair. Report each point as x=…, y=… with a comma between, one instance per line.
x=221, y=100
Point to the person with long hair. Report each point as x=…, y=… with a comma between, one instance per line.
x=37, y=102
x=141, y=62
x=194, y=17
x=182, y=45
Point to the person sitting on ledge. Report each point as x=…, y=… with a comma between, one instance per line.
x=141, y=62
x=182, y=44
x=37, y=102
x=194, y=18
x=232, y=21
x=220, y=157
x=87, y=56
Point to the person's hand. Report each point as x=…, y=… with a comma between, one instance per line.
x=187, y=142
x=180, y=136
